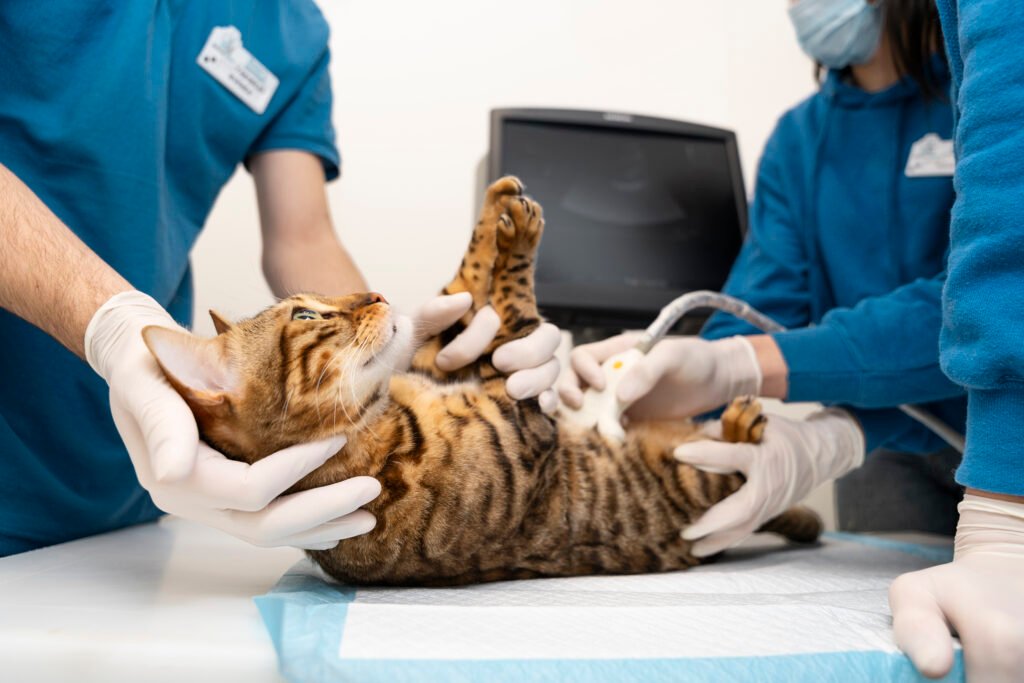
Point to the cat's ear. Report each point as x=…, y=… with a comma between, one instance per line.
x=199, y=369
x=220, y=323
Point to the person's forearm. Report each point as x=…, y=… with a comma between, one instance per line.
x=774, y=371
x=301, y=252
x=48, y=276
x=997, y=496
x=320, y=265
x=877, y=354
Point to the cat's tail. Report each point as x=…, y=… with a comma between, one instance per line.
x=798, y=524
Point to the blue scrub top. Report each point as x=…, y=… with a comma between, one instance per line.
x=107, y=117
x=981, y=346
x=845, y=245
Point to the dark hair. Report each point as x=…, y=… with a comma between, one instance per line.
x=915, y=37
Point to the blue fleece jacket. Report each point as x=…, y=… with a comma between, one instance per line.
x=982, y=342
x=848, y=251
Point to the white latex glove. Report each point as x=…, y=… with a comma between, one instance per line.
x=186, y=477
x=979, y=595
x=792, y=459
x=530, y=362
x=679, y=377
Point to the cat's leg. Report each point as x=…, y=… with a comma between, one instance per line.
x=743, y=422
x=799, y=524
x=497, y=270
x=512, y=292
x=492, y=232
x=512, y=295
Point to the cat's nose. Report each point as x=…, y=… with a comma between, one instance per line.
x=354, y=303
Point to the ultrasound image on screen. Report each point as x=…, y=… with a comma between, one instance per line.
x=629, y=215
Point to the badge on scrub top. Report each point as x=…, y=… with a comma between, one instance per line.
x=234, y=67
x=929, y=157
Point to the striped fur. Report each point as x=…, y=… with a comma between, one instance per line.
x=476, y=487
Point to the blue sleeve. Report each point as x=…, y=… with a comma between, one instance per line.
x=878, y=354
x=982, y=341
x=771, y=271
x=304, y=123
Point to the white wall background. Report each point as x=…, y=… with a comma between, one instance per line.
x=414, y=83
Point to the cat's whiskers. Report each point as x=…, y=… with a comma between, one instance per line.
x=287, y=401
x=355, y=399
x=347, y=367
x=320, y=379
x=344, y=370
x=350, y=364
x=357, y=353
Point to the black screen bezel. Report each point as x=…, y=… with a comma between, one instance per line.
x=579, y=310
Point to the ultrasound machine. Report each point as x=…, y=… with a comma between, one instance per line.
x=638, y=211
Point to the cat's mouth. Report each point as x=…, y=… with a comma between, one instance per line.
x=393, y=335
x=394, y=329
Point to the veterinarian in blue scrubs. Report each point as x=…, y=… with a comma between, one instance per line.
x=849, y=230
x=119, y=124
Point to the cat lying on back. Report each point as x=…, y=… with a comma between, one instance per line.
x=476, y=486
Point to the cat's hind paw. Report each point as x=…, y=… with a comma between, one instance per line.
x=743, y=421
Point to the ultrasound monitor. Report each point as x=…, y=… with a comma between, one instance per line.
x=638, y=210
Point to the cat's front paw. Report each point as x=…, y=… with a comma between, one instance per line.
x=525, y=223
x=503, y=188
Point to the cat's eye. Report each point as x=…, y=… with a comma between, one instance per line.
x=306, y=314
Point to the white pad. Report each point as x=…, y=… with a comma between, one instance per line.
x=792, y=613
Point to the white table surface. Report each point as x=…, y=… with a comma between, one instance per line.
x=168, y=601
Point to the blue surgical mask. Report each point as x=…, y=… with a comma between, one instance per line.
x=837, y=33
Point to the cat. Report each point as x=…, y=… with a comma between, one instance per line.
x=476, y=486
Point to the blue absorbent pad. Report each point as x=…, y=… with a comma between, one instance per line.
x=788, y=614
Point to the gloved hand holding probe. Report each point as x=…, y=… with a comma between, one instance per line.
x=679, y=377
x=684, y=377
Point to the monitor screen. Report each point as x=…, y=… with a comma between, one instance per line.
x=633, y=218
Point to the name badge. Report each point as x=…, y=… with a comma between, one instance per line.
x=231, y=65
x=931, y=156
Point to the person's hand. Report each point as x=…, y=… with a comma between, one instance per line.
x=185, y=477
x=679, y=377
x=530, y=362
x=979, y=595
x=794, y=457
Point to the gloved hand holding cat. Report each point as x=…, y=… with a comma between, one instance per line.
x=188, y=478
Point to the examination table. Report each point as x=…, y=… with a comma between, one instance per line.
x=173, y=601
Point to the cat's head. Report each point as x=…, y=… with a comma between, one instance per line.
x=306, y=368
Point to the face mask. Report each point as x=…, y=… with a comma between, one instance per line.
x=837, y=33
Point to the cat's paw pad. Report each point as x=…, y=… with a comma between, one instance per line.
x=506, y=230
x=743, y=422
x=527, y=218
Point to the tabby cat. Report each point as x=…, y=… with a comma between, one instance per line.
x=476, y=487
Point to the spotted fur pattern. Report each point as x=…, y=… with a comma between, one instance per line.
x=476, y=487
